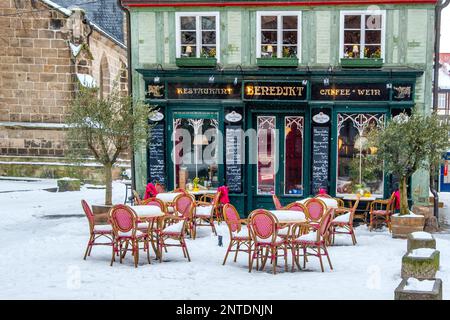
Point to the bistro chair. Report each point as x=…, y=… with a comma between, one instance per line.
x=144, y=225
x=210, y=198
x=96, y=231
x=316, y=210
x=264, y=232
x=136, y=198
x=239, y=234
x=184, y=206
x=323, y=195
x=381, y=211
x=315, y=240
x=204, y=212
x=276, y=202
x=344, y=221
x=126, y=233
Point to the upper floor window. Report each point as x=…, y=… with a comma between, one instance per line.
x=362, y=34
x=278, y=34
x=197, y=34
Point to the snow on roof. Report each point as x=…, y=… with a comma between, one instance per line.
x=86, y=80
x=58, y=7
x=444, y=77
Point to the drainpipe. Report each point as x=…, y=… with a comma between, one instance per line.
x=130, y=82
x=437, y=48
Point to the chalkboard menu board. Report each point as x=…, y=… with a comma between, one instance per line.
x=234, y=153
x=320, y=156
x=156, y=159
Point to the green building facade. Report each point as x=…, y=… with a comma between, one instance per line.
x=280, y=95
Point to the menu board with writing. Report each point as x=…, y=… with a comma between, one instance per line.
x=320, y=157
x=234, y=157
x=156, y=158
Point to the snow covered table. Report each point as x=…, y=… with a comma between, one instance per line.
x=147, y=211
x=289, y=216
x=167, y=196
x=329, y=202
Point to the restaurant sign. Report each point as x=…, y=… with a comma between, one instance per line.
x=350, y=92
x=264, y=90
x=204, y=91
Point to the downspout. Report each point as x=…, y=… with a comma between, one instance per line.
x=437, y=48
x=130, y=82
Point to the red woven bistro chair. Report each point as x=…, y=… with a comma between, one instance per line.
x=343, y=221
x=316, y=210
x=96, y=231
x=323, y=195
x=184, y=207
x=381, y=211
x=277, y=202
x=239, y=234
x=264, y=231
x=315, y=241
x=204, y=212
x=147, y=227
x=125, y=226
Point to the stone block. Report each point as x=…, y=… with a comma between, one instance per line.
x=420, y=263
x=405, y=292
x=418, y=240
x=68, y=184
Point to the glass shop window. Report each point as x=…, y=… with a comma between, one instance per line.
x=293, y=155
x=197, y=35
x=266, y=166
x=362, y=34
x=357, y=166
x=278, y=34
x=195, y=152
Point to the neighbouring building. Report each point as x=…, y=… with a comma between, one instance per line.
x=444, y=110
x=47, y=47
x=277, y=97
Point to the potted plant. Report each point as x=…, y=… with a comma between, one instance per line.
x=371, y=60
x=407, y=144
x=289, y=59
x=207, y=58
x=104, y=128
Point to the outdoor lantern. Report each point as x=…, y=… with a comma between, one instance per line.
x=200, y=140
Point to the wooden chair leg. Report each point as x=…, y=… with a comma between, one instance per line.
x=89, y=245
x=237, y=250
x=136, y=252
x=320, y=259
x=228, y=251
x=328, y=257
x=185, y=247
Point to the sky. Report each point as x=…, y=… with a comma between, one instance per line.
x=445, y=31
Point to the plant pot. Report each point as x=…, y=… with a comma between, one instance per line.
x=196, y=62
x=362, y=63
x=402, y=226
x=101, y=213
x=277, y=62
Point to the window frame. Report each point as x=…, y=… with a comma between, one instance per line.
x=198, y=31
x=279, y=14
x=363, y=30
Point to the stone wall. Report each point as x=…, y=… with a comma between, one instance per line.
x=38, y=76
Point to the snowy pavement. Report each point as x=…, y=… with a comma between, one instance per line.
x=44, y=236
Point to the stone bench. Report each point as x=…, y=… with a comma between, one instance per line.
x=413, y=289
x=422, y=263
x=420, y=239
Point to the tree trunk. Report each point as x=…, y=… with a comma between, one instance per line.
x=434, y=192
x=108, y=184
x=404, y=208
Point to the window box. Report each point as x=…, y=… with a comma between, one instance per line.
x=362, y=63
x=277, y=62
x=196, y=62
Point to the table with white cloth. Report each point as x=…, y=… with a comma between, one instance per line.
x=360, y=213
x=167, y=196
x=329, y=202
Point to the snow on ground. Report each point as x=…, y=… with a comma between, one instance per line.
x=44, y=236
